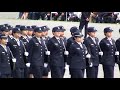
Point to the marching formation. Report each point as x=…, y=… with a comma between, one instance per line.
x=28, y=52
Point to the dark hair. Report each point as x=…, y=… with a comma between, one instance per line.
x=105, y=34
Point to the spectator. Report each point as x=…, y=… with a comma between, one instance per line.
x=20, y=14
x=108, y=17
x=99, y=18
x=73, y=16
x=42, y=15
x=62, y=16
x=85, y=18
x=93, y=17
x=117, y=17
x=24, y=15
x=54, y=15
x=48, y=15
x=35, y=15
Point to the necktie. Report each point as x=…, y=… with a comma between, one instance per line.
x=27, y=38
x=58, y=40
x=94, y=40
x=61, y=41
x=42, y=41
x=81, y=46
x=5, y=48
x=18, y=42
x=111, y=42
x=11, y=37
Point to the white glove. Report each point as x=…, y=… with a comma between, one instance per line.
x=28, y=64
x=101, y=53
x=45, y=64
x=26, y=53
x=47, y=52
x=88, y=56
x=91, y=64
x=14, y=59
x=66, y=53
x=116, y=53
x=67, y=67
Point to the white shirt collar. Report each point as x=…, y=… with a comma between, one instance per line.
x=24, y=36
x=109, y=39
x=16, y=39
x=4, y=46
x=10, y=36
x=29, y=36
x=57, y=37
x=38, y=38
x=79, y=43
x=43, y=38
x=92, y=37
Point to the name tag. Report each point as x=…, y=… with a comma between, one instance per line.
x=3, y=52
x=92, y=44
x=36, y=44
x=25, y=42
x=78, y=48
x=56, y=44
x=72, y=43
x=14, y=45
x=108, y=44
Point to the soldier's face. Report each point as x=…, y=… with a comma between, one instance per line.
x=79, y=39
x=6, y=33
x=92, y=34
x=4, y=41
x=10, y=32
x=61, y=34
x=30, y=33
x=43, y=34
x=46, y=33
x=109, y=34
x=17, y=35
x=38, y=34
x=57, y=34
x=25, y=32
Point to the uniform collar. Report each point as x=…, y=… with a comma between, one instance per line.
x=57, y=38
x=92, y=37
x=43, y=38
x=38, y=38
x=29, y=36
x=24, y=36
x=16, y=39
x=10, y=36
x=4, y=46
x=110, y=39
x=79, y=43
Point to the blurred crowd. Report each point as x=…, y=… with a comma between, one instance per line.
x=61, y=16
x=105, y=17
x=95, y=17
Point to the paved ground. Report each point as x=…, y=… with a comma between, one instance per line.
x=68, y=25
